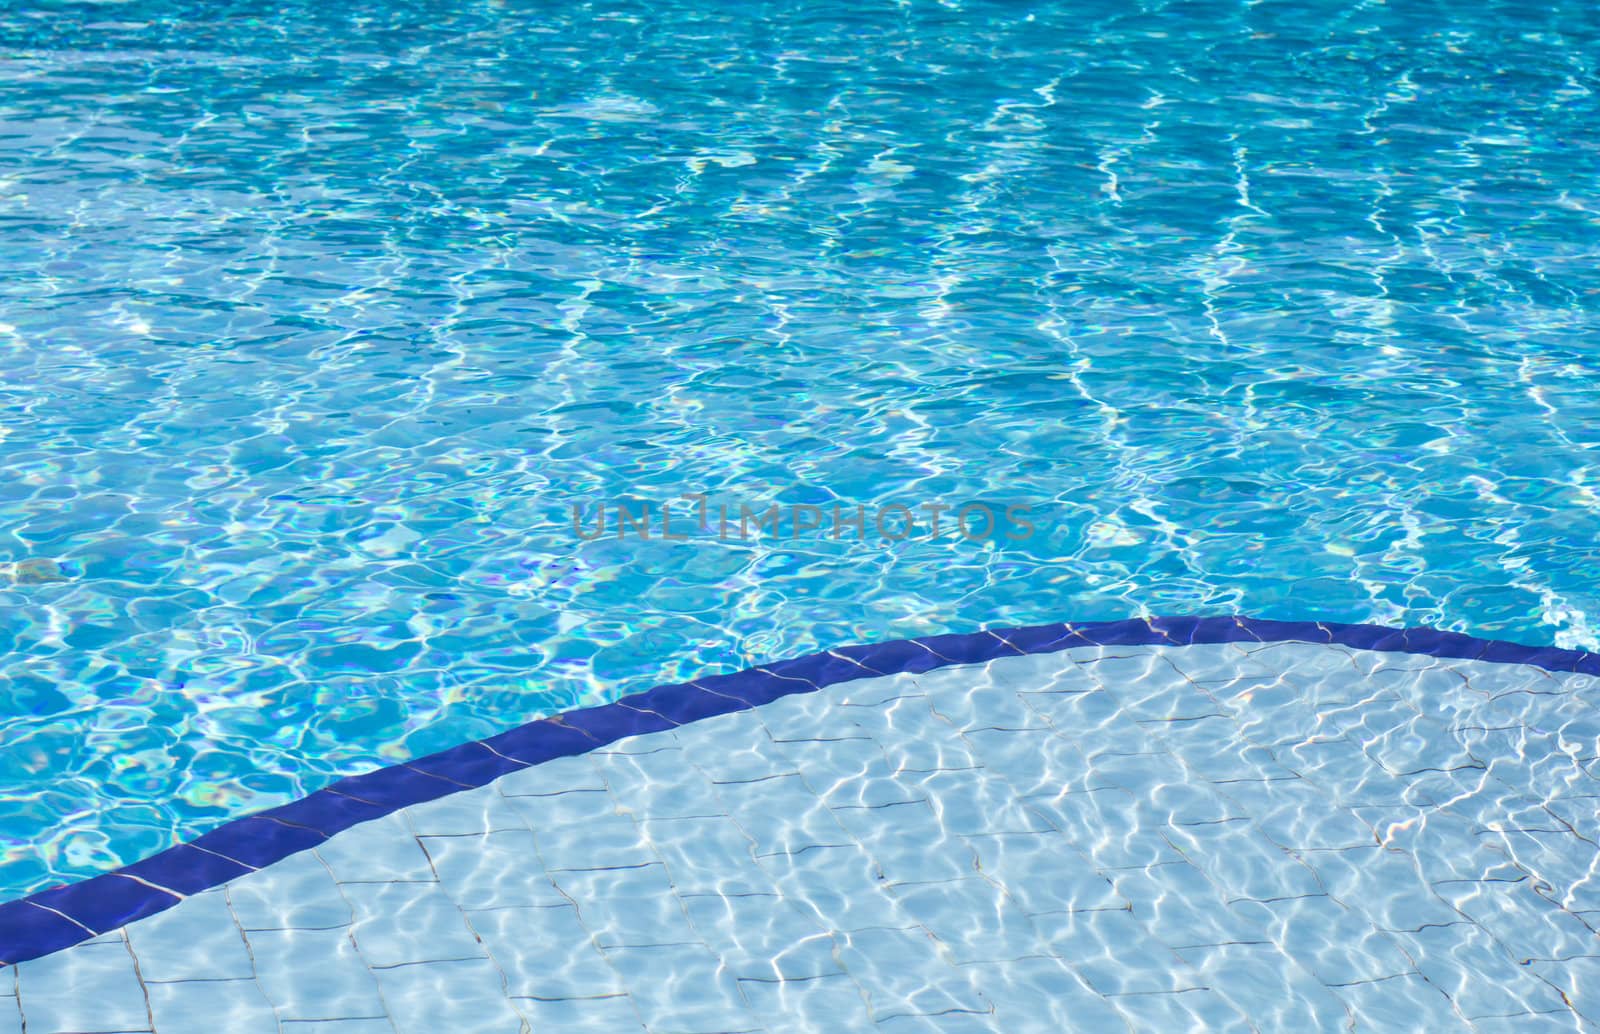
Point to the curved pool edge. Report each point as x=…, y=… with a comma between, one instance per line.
x=49, y=921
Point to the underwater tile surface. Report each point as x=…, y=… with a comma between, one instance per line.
x=796, y=867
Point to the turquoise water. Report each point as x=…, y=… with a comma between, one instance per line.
x=317, y=320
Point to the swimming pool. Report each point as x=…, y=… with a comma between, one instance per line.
x=319, y=320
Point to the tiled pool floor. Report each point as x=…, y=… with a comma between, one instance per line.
x=1230, y=837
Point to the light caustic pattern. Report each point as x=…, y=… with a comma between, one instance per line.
x=314, y=324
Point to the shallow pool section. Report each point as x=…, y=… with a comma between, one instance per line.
x=1212, y=836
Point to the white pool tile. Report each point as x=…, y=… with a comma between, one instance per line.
x=1366, y=716
x=1123, y=839
x=1564, y=1021
x=1115, y=953
x=1496, y=679
x=762, y=936
x=954, y=1021
x=1435, y=690
x=975, y=919
x=744, y=760
x=842, y=886
x=1296, y=815
x=845, y=772
x=907, y=972
x=735, y=729
x=234, y=1006
x=707, y=856
x=298, y=893
x=1338, y=763
x=489, y=869
x=1241, y=861
x=1335, y=943
x=1385, y=886
x=1183, y=805
x=389, y=855
x=917, y=750
x=456, y=995
x=1213, y=748
x=1417, y=744
x=1046, y=672
x=971, y=706
x=828, y=1003
x=1093, y=717
x=1558, y=857
x=1195, y=1009
x=1225, y=662
x=199, y=941
x=607, y=841
x=1464, y=962
x=888, y=829
x=802, y=822
x=543, y=812
x=545, y=952
x=559, y=775
x=612, y=1015
x=797, y=731
x=634, y=778
x=645, y=743
x=90, y=989
x=399, y=923
x=682, y=989
x=1042, y=872
x=1373, y=663
x=1541, y=765
x=903, y=722
x=1181, y=906
x=1104, y=825
x=1043, y=995
x=1540, y=712
x=1269, y=712
x=465, y=814
x=1445, y=845
x=1150, y=688
x=803, y=716
x=1281, y=655
x=876, y=691
x=967, y=802
x=907, y=843
x=1403, y=1003
x=684, y=799
x=1265, y=984
x=912, y=735
x=1028, y=761
x=1529, y=925
x=1578, y=979
x=1581, y=813
x=315, y=975
x=1146, y=770
x=633, y=906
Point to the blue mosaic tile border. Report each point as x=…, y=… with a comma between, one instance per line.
x=59, y=918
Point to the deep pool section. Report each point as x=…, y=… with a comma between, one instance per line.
x=316, y=320
x=1175, y=825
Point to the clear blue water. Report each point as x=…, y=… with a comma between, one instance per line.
x=317, y=319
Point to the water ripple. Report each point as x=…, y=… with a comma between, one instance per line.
x=305, y=359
